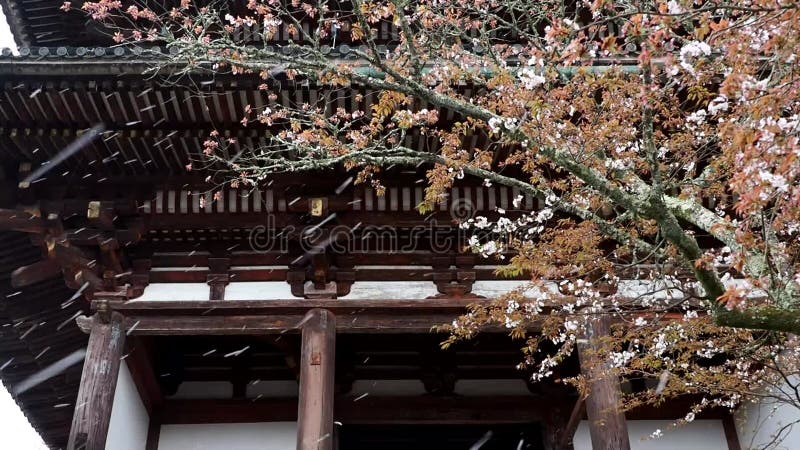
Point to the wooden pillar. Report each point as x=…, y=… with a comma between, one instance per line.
x=317, y=365
x=98, y=382
x=607, y=425
x=556, y=426
x=153, y=432
x=561, y=437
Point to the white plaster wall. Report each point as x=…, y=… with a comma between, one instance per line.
x=698, y=435
x=768, y=424
x=229, y=436
x=129, y=420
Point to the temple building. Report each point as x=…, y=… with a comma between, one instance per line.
x=298, y=314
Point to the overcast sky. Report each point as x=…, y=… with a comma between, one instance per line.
x=15, y=431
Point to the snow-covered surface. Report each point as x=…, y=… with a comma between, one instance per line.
x=258, y=289
x=398, y=290
x=175, y=291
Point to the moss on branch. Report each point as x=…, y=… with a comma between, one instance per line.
x=760, y=317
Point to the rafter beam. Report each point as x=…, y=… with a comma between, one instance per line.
x=299, y=306
x=14, y=220
x=35, y=273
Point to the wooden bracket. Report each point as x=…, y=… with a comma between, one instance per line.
x=297, y=279
x=319, y=280
x=101, y=214
x=318, y=206
x=140, y=277
x=438, y=372
x=218, y=277
x=310, y=290
x=454, y=282
x=85, y=323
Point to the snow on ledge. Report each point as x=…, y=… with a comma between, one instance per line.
x=391, y=290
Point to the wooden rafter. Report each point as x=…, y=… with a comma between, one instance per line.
x=34, y=273
x=14, y=220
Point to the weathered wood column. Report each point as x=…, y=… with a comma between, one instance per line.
x=607, y=425
x=98, y=382
x=317, y=361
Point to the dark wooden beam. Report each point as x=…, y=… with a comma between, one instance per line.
x=290, y=349
x=92, y=236
x=14, y=220
x=393, y=219
x=607, y=425
x=252, y=317
x=567, y=434
x=731, y=435
x=211, y=325
x=179, y=274
x=153, y=433
x=357, y=409
x=317, y=368
x=423, y=259
x=98, y=382
x=34, y=273
x=229, y=411
x=556, y=423
x=69, y=256
x=204, y=307
x=218, y=277
x=279, y=324
x=140, y=364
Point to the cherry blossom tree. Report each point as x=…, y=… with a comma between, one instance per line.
x=662, y=138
